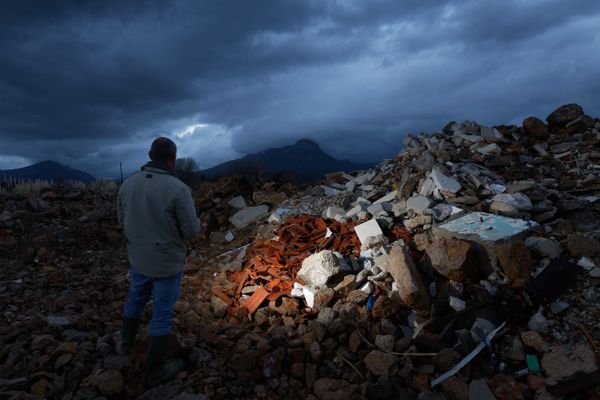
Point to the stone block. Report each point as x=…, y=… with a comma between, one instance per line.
x=248, y=215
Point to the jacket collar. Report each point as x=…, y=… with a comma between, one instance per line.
x=158, y=167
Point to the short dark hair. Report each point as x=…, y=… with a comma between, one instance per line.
x=162, y=149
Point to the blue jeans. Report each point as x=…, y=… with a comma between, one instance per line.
x=165, y=292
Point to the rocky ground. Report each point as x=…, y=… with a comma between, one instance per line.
x=466, y=267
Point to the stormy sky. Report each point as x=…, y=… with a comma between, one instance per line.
x=91, y=83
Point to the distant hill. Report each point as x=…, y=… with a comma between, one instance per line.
x=302, y=161
x=47, y=170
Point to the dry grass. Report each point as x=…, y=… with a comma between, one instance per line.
x=25, y=188
x=104, y=186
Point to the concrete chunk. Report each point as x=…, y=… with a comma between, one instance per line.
x=490, y=149
x=388, y=197
x=418, y=204
x=237, y=202
x=248, y=215
x=443, y=182
x=332, y=211
x=486, y=227
x=485, y=232
x=411, y=288
x=378, y=209
x=367, y=229
x=319, y=268
x=356, y=211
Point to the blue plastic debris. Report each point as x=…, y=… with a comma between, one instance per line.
x=371, y=302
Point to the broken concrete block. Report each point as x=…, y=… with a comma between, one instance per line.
x=443, y=182
x=367, y=229
x=510, y=204
x=442, y=211
x=329, y=191
x=379, y=209
x=319, y=268
x=418, y=204
x=388, y=197
x=356, y=211
x=455, y=259
x=248, y=215
x=237, y=202
x=544, y=247
x=485, y=231
x=411, y=288
x=278, y=215
x=489, y=134
x=332, y=211
x=490, y=149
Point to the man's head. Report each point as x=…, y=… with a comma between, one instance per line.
x=163, y=150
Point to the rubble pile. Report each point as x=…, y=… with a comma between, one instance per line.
x=469, y=231
x=466, y=267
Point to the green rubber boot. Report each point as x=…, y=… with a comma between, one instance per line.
x=159, y=370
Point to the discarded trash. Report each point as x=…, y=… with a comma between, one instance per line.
x=533, y=365
x=486, y=342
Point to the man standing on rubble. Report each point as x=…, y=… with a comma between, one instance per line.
x=157, y=212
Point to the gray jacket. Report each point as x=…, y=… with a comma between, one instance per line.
x=158, y=214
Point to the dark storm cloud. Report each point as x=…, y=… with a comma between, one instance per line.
x=91, y=83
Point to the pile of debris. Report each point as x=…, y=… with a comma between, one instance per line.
x=463, y=244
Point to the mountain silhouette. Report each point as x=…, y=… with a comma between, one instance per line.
x=46, y=170
x=301, y=161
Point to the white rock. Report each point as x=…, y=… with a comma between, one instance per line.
x=586, y=263
x=354, y=212
x=443, y=182
x=378, y=209
x=329, y=191
x=367, y=287
x=317, y=269
x=516, y=200
x=388, y=197
x=237, y=202
x=332, y=211
x=538, y=322
x=456, y=303
x=309, y=296
x=366, y=229
x=497, y=188
x=418, y=204
x=544, y=246
x=427, y=187
x=490, y=134
x=229, y=236
x=350, y=186
x=297, y=290
x=490, y=149
x=248, y=215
